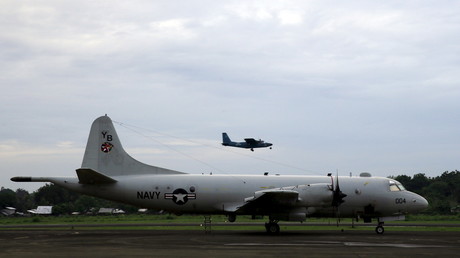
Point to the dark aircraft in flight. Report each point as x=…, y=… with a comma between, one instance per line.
x=249, y=143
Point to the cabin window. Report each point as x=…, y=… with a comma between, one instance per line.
x=396, y=186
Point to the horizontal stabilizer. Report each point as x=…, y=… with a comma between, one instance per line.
x=91, y=177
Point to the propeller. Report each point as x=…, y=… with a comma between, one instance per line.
x=337, y=197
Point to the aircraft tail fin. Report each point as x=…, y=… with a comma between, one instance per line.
x=225, y=139
x=105, y=155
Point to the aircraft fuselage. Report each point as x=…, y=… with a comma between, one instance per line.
x=223, y=194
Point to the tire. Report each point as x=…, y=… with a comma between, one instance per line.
x=379, y=230
x=272, y=228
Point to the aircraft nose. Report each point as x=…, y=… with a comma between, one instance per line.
x=420, y=203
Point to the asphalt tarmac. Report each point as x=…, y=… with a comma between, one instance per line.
x=226, y=243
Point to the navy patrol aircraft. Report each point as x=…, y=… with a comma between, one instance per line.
x=249, y=143
x=109, y=172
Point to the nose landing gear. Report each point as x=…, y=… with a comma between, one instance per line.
x=379, y=229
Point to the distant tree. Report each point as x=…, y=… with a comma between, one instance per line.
x=54, y=195
x=63, y=208
x=7, y=198
x=65, y=201
x=438, y=189
x=453, y=181
x=85, y=203
x=438, y=206
x=418, y=182
x=24, y=200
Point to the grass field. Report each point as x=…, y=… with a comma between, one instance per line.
x=173, y=222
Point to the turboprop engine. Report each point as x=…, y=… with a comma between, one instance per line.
x=315, y=195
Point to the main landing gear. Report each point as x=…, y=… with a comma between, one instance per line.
x=272, y=227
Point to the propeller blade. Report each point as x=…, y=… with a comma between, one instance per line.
x=337, y=198
x=337, y=195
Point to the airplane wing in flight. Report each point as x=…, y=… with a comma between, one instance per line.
x=250, y=141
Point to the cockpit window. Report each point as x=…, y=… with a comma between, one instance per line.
x=401, y=187
x=396, y=186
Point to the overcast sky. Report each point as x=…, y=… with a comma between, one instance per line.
x=346, y=86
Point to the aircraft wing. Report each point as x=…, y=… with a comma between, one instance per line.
x=269, y=200
x=250, y=141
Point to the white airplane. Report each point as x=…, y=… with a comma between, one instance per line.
x=109, y=172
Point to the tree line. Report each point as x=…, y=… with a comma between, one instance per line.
x=442, y=193
x=62, y=200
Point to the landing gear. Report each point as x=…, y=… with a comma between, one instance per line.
x=379, y=229
x=231, y=217
x=272, y=227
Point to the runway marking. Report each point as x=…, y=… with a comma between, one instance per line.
x=322, y=243
x=24, y=237
x=390, y=245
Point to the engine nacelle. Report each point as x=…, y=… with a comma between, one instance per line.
x=315, y=195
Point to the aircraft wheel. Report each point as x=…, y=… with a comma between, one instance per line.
x=379, y=230
x=272, y=228
x=231, y=217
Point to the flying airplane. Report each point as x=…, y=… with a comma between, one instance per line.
x=109, y=172
x=249, y=143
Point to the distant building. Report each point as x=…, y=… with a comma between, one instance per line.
x=118, y=211
x=7, y=211
x=142, y=211
x=108, y=211
x=105, y=211
x=42, y=210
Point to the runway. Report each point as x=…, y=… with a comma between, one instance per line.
x=226, y=243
